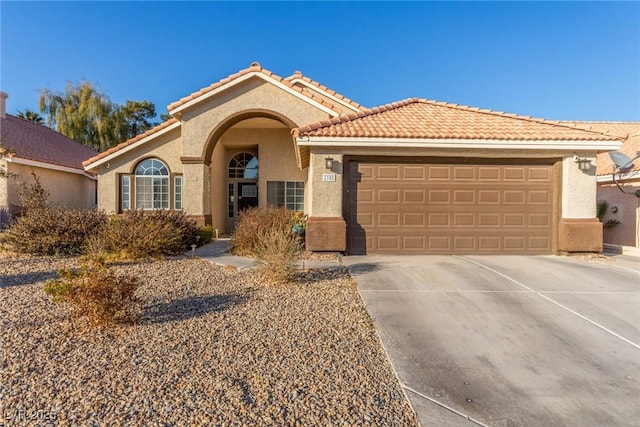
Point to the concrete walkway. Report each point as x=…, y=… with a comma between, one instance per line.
x=218, y=252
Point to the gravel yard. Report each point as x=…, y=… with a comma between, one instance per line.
x=213, y=346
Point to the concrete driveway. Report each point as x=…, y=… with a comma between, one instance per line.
x=510, y=340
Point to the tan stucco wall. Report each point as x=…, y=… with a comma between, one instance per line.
x=578, y=188
x=4, y=204
x=71, y=190
x=325, y=197
x=627, y=233
x=276, y=162
x=166, y=148
x=200, y=121
x=3, y=183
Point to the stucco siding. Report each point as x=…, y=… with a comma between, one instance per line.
x=71, y=190
x=202, y=120
x=326, y=196
x=578, y=188
x=626, y=209
x=4, y=203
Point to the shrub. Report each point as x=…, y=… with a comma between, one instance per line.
x=252, y=221
x=277, y=253
x=96, y=293
x=43, y=229
x=140, y=234
x=206, y=234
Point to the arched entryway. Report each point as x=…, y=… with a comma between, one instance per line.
x=252, y=162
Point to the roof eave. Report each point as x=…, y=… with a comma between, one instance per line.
x=181, y=108
x=45, y=165
x=98, y=162
x=596, y=145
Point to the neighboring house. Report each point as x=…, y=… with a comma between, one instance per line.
x=415, y=176
x=622, y=207
x=27, y=148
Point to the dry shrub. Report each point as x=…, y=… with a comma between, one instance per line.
x=47, y=230
x=277, y=252
x=206, y=234
x=252, y=222
x=140, y=234
x=96, y=293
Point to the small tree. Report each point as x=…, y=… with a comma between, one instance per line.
x=31, y=116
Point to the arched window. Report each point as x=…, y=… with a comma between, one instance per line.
x=152, y=185
x=243, y=165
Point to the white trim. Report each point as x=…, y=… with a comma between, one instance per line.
x=247, y=76
x=318, y=90
x=622, y=177
x=458, y=143
x=44, y=165
x=132, y=146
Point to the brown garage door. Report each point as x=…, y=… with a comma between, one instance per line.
x=454, y=207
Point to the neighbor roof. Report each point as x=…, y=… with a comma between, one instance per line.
x=416, y=118
x=257, y=68
x=628, y=131
x=32, y=141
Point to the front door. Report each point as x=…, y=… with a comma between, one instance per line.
x=247, y=195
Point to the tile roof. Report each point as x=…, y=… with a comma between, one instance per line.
x=130, y=141
x=31, y=141
x=629, y=131
x=426, y=119
x=254, y=68
x=297, y=75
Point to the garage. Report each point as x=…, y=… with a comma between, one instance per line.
x=450, y=206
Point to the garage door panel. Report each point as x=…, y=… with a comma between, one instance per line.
x=439, y=173
x=413, y=219
x=438, y=196
x=413, y=196
x=489, y=173
x=539, y=174
x=423, y=208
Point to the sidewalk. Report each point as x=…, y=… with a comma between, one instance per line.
x=217, y=252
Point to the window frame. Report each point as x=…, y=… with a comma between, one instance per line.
x=122, y=200
x=282, y=199
x=177, y=178
x=165, y=182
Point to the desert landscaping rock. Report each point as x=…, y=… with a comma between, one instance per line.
x=212, y=346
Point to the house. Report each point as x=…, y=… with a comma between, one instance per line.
x=414, y=176
x=624, y=207
x=29, y=148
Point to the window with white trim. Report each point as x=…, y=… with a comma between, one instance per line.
x=243, y=165
x=177, y=193
x=152, y=185
x=288, y=194
x=125, y=192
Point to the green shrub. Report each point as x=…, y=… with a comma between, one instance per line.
x=206, y=234
x=141, y=234
x=47, y=230
x=96, y=293
x=277, y=252
x=251, y=222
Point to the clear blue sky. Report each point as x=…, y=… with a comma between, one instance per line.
x=557, y=60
